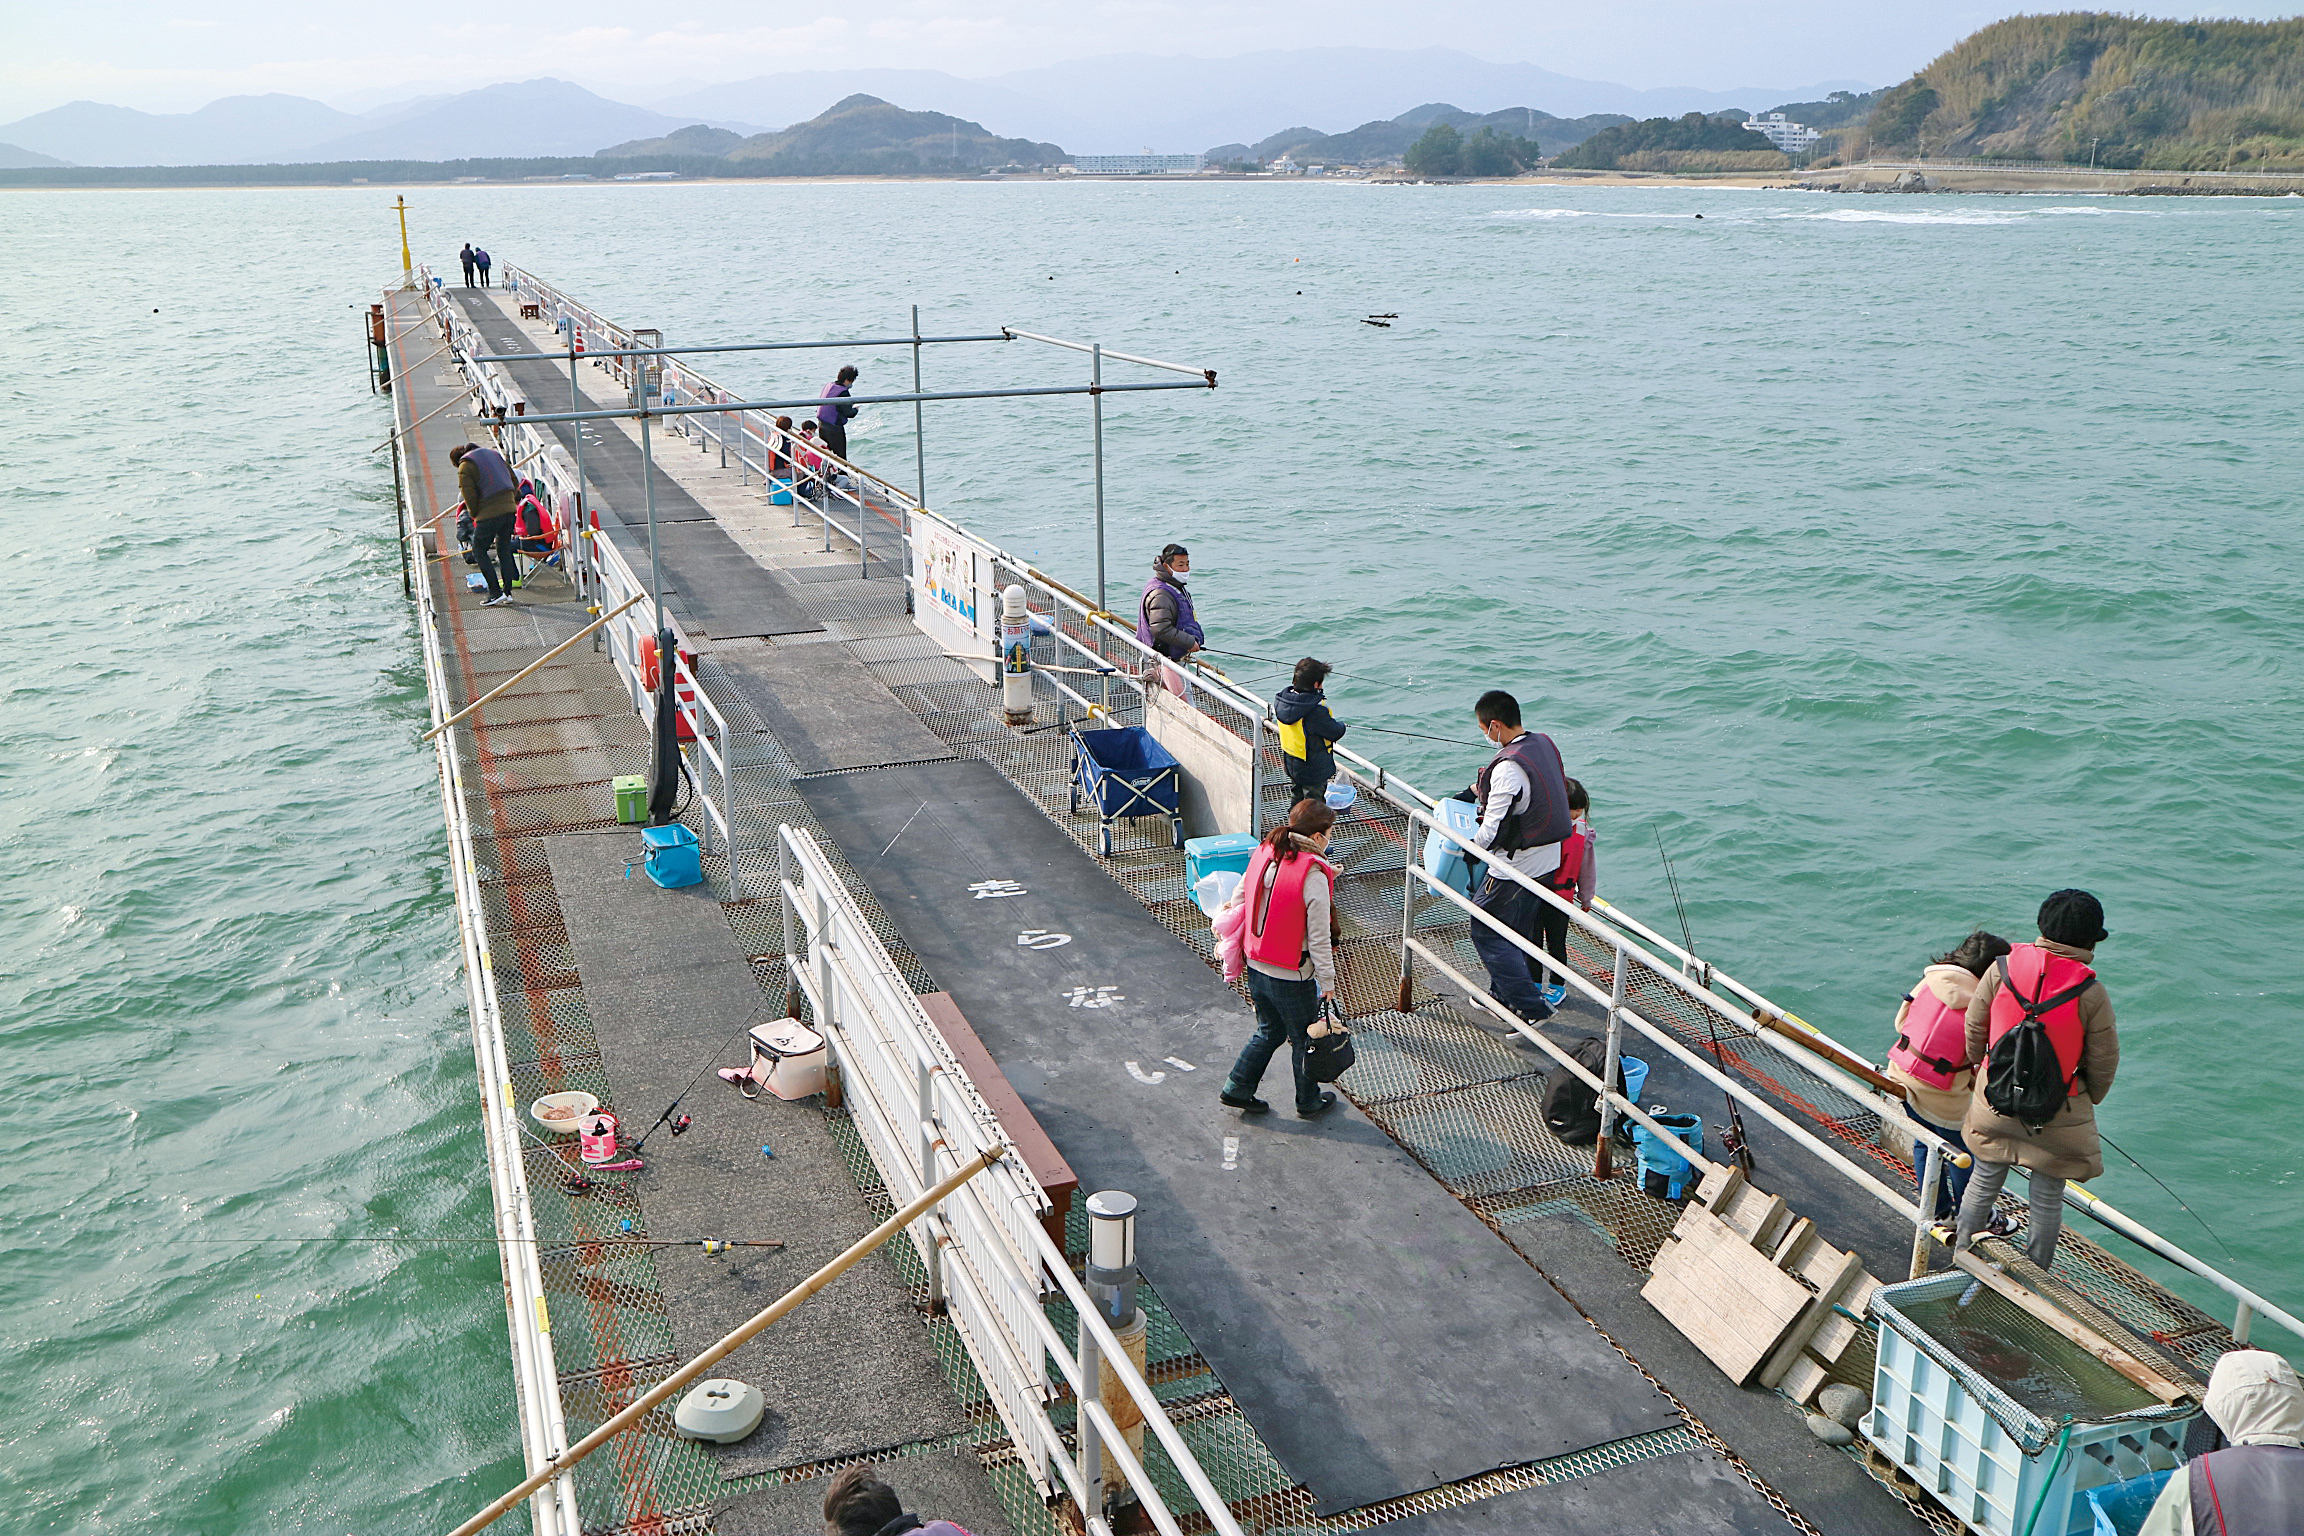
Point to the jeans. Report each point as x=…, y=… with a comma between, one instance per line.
x=1284, y=1012
x=1511, y=979
x=2046, y=1209
x=1955, y=1182
x=493, y=537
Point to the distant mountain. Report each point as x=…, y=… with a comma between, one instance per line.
x=1127, y=102
x=1691, y=142
x=859, y=135
x=696, y=140
x=234, y=130
x=15, y=159
x=2124, y=91
x=534, y=117
x=1385, y=141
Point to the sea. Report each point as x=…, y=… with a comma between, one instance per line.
x=1887, y=562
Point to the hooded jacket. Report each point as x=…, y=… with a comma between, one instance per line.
x=2256, y=1484
x=1955, y=988
x=2067, y=1146
x=1315, y=731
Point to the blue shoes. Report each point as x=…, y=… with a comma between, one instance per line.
x=1555, y=993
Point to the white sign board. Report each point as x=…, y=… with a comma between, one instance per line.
x=953, y=600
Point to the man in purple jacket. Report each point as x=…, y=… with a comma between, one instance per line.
x=833, y=416
x=859, y=1504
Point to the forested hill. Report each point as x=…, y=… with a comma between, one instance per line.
x=2168, y=95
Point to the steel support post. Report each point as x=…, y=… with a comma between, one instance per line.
x=1408, y=868
x=576, y=403
x=919, y=420
x=1603, y=1150
x=1111, y=1284
x=1096, y=411
x=924, y=1091
x=1930, y=1183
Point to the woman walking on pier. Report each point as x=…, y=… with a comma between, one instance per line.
x=1290, y=939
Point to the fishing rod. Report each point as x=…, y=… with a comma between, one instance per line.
x=1737, y=1145
x=2179, y=1199
x=680, y=1126
x=713, y=1245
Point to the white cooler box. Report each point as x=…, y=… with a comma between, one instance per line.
x=788, y=1059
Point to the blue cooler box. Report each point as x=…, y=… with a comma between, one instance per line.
x=673, y=859
x=1205, y=855
x=1444, y=859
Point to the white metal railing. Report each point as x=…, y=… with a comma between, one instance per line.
x=987, y=1256
x=1096, y=637
x=600, y=571
x=536, y=1379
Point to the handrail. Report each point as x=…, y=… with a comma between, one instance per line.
x=986, y=1251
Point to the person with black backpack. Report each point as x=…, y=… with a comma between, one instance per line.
x=2041, y=1026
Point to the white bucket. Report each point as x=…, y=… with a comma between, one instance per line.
x=1215, y=888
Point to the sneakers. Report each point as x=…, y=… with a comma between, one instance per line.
x=1245, y=1106
x=1555, y=993
x=498, y=601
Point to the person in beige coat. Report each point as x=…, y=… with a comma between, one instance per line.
x=2067, y=1147
x=1936, y=1098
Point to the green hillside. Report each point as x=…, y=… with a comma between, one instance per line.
x=1388, y=139
x=2166, y=95
x=1691, y=143
x=863, y=135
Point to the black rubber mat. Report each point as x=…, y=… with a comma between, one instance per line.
x=826, y=708
x=852, y=1371
x=723, y=591
x=1686, y=1494
x=1380, y=1338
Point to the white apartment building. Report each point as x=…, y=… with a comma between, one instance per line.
x=1135, y=165
x=1792, y=138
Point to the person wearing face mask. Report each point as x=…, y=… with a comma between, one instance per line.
x=1523, y=799
x=2255, y=1485
x=1290, y=941
x=1164, y=617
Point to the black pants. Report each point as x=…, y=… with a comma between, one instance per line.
x=1555, y=924
x=484, y=278
x=1306, y=786
x=835, y=438
x=493, y=537
x=468, y=270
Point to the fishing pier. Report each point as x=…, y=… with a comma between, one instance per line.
x=1423, y=1314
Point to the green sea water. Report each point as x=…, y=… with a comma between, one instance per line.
x=1897, y=559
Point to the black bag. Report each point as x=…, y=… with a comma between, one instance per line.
x=1332, y=1052
x=1571, y=1108
x=2022, y=1077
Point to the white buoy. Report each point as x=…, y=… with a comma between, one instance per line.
x=1015, y=657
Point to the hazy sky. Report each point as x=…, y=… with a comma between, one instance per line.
x=175, y=56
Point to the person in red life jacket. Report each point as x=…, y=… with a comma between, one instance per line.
x=1290, y=939
x=2055, y=978
x=534, y=532
x=1523, y=800
x=779, y=464
x=1930, y=1056
x=811, y=462
x=859, y=1504
x=2255, y=1485
x=1576, y=879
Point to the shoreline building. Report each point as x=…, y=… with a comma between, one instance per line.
x=1135, y=165
x=1790, y=137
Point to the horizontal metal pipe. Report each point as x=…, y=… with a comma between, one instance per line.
x=1111, y=356
x=565, y=353
x=634, y=412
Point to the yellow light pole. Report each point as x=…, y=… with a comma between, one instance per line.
x=407, y=262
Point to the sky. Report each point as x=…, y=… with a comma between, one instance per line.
x=173, y=57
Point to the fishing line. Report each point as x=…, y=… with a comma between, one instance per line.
x=709, y=1244
x=1381, y=730
x=1742, y=1150
x=2179, y=1199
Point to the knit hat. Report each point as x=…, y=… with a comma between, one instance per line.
x=2072, y=917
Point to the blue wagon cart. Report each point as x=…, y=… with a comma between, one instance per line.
x=1124, y=772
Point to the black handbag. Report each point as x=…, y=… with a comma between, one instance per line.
x=1331, y=1054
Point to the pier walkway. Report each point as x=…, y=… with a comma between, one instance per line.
x=1431, y=1322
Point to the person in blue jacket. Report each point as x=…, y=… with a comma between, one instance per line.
x=1307, y=730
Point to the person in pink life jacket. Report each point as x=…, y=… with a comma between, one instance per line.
x=1930, y=1056
x=859, y=1504
x=1289, y=935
